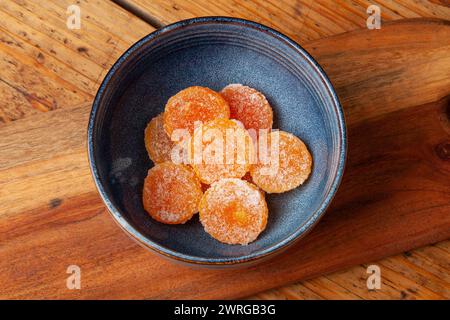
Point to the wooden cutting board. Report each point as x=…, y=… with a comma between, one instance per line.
x=394, y=84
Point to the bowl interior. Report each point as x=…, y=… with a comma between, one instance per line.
x=213, y=54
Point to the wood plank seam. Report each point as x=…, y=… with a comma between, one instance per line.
x=139, y=13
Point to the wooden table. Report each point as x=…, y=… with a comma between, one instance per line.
x=50, y=213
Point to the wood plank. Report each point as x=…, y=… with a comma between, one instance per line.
x=329, y=289
x=78, y=222
x=387, y=63
x=396, y=160
x=303, y=20
x=53, y=165
x=422, y=277
x=46, y=65
x=423, y=285
x=343, y=74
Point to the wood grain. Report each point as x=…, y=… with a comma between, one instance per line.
x=45, y=65
x=394, y=196
x=303, y=20
x=418, y=274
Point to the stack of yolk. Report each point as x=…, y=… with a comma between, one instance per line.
x=224, y=176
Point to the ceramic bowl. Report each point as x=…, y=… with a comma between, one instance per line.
x=214, y=52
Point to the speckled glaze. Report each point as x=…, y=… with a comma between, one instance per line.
x=214, y=52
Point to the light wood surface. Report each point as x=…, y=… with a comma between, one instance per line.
x=303, y=20
x=419, y=274
x=395, y=93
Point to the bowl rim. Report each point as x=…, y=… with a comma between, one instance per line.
x=301, y=231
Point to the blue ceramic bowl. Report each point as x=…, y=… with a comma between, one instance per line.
x=214, y=52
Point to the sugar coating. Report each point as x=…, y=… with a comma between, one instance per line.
x=212, y=169
x=233, y=211
x=248, y=106
x=171, y=193
x=191, y=105
x=294, y=165
x=157, y=142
